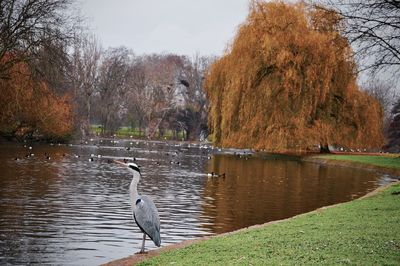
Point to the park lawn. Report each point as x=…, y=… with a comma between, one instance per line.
x=361, y=232
x=124, y=132
x=387, y=161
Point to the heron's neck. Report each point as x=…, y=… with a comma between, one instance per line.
x=133, y=193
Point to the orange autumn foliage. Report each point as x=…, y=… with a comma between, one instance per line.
x=288, y=83
x=29, y=107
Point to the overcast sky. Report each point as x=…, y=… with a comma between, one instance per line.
x=155, y=26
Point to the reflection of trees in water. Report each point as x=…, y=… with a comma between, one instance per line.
x=27, y=186
x=256, y=191
x=65, y=208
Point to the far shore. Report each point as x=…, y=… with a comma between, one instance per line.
x=341, y=160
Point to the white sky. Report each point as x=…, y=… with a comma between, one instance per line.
x=155, y=26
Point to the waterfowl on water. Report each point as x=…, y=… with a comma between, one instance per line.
x=212, y=174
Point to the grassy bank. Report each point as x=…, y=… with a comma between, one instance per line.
x=386, y=163
x=124, y=132
x=362, y=232
x=389, y=161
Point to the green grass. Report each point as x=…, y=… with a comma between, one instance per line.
x=378, y=160
x=124, y=132
x=361, y=232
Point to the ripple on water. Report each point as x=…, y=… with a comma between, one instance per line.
x=69, y=210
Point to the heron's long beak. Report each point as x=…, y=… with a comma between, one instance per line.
x=119, y=162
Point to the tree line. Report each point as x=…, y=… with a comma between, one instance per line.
x=152, y=93
x=57, y=80
x=288, y=81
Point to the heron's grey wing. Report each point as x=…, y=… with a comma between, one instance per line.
x=146, y=217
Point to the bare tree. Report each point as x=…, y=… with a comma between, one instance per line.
x=373, y=28
x=142, y=94
x=53, y=69
x=85, y=76
x=384, y=92
x=26, y=27
x=113, y=87
x=194, y=115
x=137, y=100
x=155, y=88
x=393, y=134
x=193, y=76
x=165, y=92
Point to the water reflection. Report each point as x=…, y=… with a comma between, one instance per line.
x=69, y=210
x=256, y=191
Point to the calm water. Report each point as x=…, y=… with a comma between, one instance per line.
x=69, y=210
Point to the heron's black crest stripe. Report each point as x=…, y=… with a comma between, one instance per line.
x=135, y=168
x=137, y=201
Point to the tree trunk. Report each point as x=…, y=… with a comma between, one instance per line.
x=87, y=122
x=324, y=148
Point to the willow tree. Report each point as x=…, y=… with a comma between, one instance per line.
x=288, y=83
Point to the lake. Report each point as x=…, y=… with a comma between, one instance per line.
x=67, y=204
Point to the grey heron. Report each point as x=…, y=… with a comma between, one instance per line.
x=144, y=210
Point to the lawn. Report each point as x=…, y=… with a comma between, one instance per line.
x=362, y=232
x=124, y=132
x=389, y=161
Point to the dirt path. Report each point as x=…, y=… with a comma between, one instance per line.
x=136, y=258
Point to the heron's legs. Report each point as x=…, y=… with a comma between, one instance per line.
x=144, y=239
